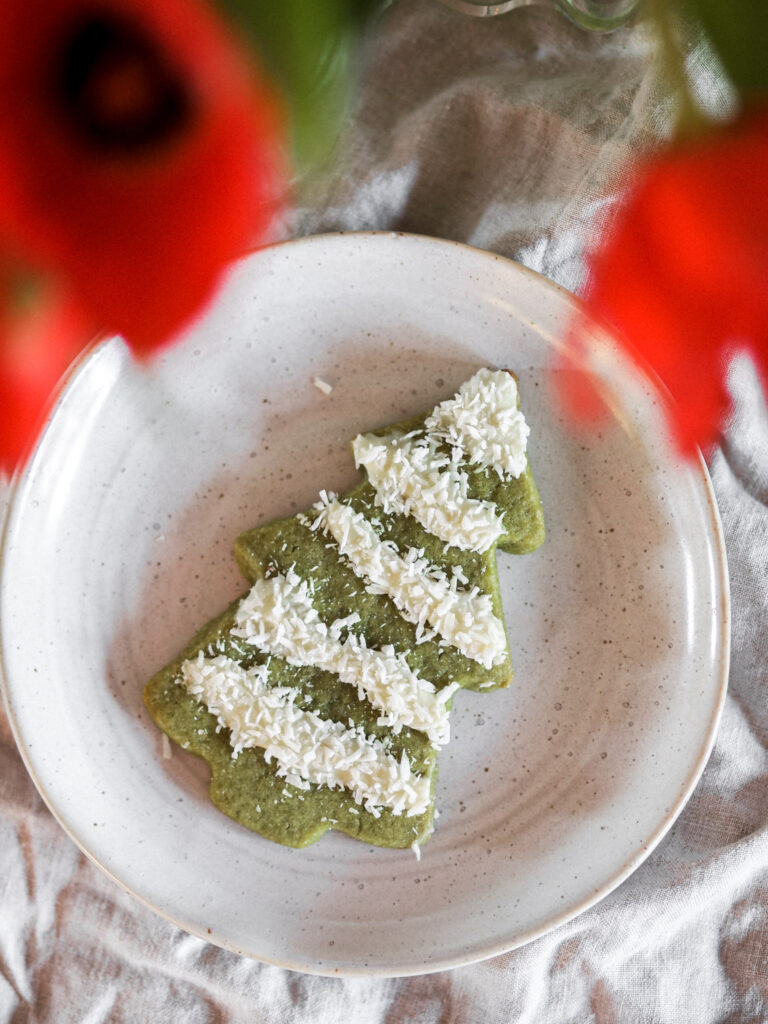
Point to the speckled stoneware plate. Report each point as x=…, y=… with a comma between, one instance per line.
x=118, y=547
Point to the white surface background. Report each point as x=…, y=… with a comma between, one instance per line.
x=511, y=135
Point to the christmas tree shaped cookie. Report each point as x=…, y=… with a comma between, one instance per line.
x=321, y=698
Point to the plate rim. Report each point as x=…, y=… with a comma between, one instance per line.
x=21, y=478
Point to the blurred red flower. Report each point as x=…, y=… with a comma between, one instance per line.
x=683, y=272
x=138, y=155
x=40, y=336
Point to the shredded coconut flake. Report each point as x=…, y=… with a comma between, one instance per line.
x=278, y=617
x=483, y=421
x=421, y=591
x=306, y=748
x=322, y=385
x=412, y=477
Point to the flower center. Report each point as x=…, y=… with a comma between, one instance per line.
x=117, y=88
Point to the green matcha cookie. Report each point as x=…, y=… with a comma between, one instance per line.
x=321, y=698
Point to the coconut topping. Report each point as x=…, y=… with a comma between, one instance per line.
x=422, y=592
x=413, y=477
x=306, y=748
x=278, y=617
x=484, y=422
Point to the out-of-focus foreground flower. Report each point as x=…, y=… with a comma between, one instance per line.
x=139, y=154
x=683, y=272
x=683, y=275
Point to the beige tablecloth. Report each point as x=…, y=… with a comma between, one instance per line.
x=511, y=134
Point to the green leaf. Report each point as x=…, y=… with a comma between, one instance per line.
x=308, y=48
x=738, y=31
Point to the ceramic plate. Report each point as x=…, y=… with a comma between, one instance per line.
x=118, y=547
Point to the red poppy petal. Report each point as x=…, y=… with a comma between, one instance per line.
x=142, y=236
x=682, y=273
x=35, y=351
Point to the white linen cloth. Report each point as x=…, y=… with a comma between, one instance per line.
x=511, y=134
